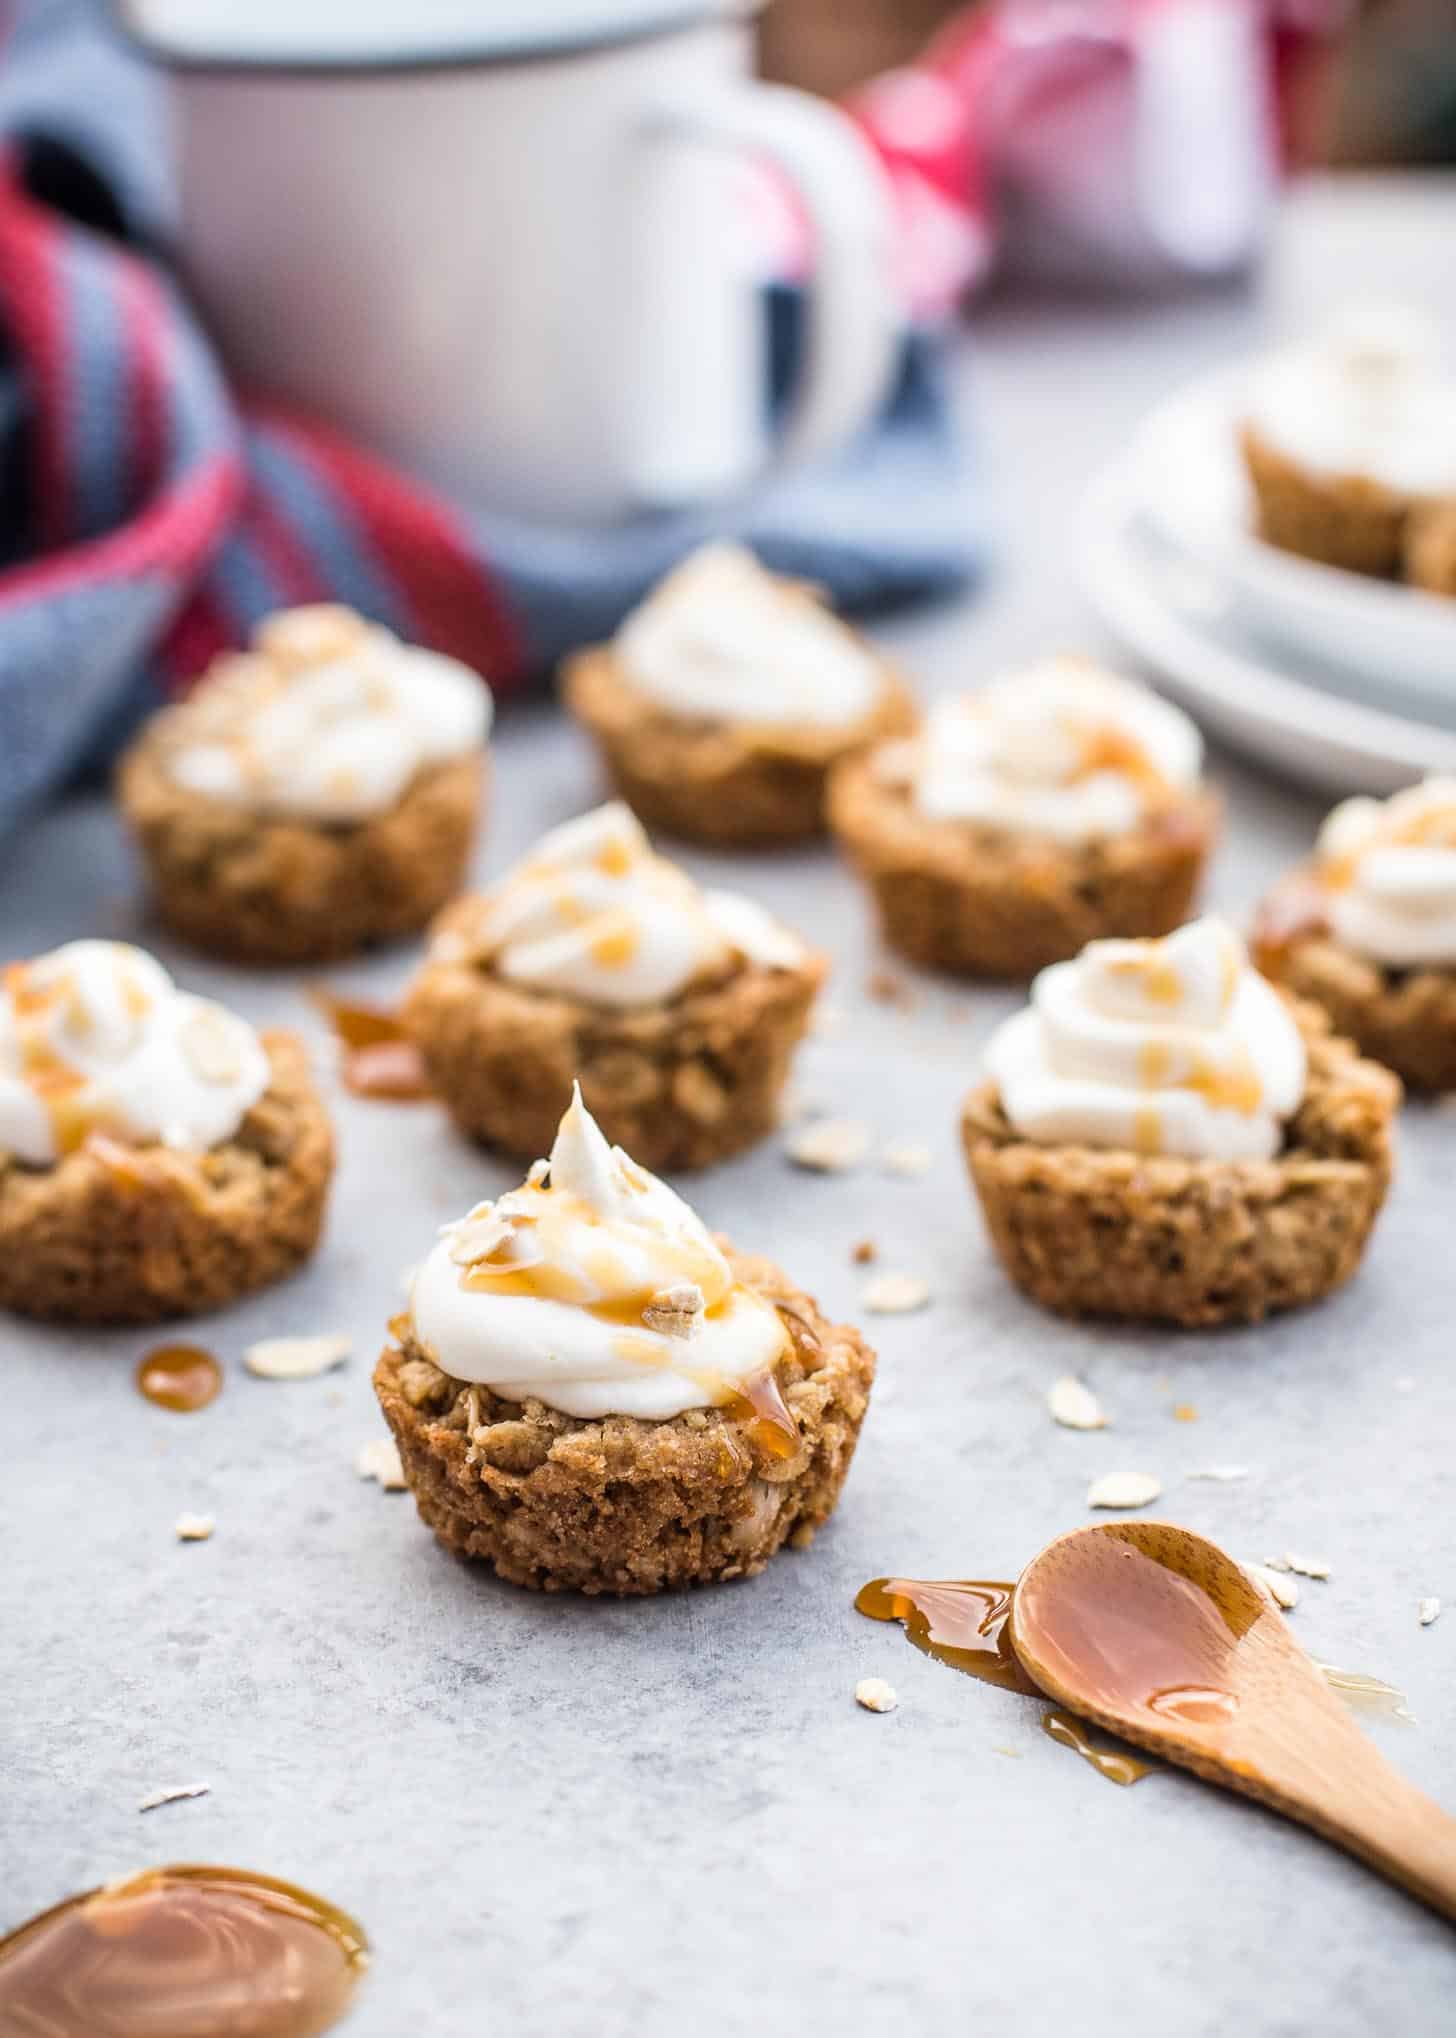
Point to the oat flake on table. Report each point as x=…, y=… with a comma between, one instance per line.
x=379, y=1459
x=1074, y=1405
x=296, y=1358
x=1123, y=1490
x=1280, y=1587
x=875, y=1695
x=896, y=1294
x=1427, y=1611
x=829, y=1146
x=173, y=1795
x=193, y=1528
x=906, y=1157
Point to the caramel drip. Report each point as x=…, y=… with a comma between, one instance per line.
x=1435, y=829
x=1110, y=749
x=615, y=944
x=1116, y=1764
x=176, y=1952
x=1147, y=1130
x=377, y=1057
x=183, y=1378
x=964, y=1622
x=770, y=1420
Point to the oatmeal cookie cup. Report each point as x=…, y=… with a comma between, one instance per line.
x=1348, y=520
x=626, y=1506
x=986, y=901
x=1403, y=1018
x=275, y=889
x=681, y=1083
x=705, y=779
x=114, y=1233
x=313, y=795
x=1090, y=1231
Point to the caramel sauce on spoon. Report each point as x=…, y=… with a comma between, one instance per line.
x=182, y=1952
x=183, y=1378
x=377, y=1056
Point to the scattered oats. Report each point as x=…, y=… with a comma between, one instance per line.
x=1000, y=1748
x=1074, y=1406
x=906, y=1157
x=1224, y=1474
x=475, y=1237
x=379, y=1459
x=173, y=1794
x=1123, y=1489
x=1428, y=1610
x=864, y=1252
x=194, y=1528
x=829, y=1145
x=896, y=1294
x=826, y=1020
x=875, y=1695
x=1307, y=1567
x=1281, y=1589
x=676, y=1311
x=296, y=1358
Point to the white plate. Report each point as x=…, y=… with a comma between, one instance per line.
x=1397, y=644
x=1177, y=619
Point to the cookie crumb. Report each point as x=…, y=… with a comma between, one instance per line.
x=803, y=1536
x=296, y=1358
x=896, y=1294
x=830, y=1146
x=1279, y=1586
x=193, y=1528
x=379, y=1459
x=875, y=1695
x=906, y=1157
x=1124, y=1489
x=1429, y=1610
x=1074, y=1406
x=172, y=1795
x=864, y=1252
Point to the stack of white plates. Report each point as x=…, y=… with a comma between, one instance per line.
x=1346, y=683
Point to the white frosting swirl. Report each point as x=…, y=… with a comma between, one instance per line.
x=1365, y=398
x=724, y=638
x=1063, y=749
x=1388, y=869
x=95, y=1037
x=594, y=1289
x=594, y=913
x=328, y=717
x=1161, y=1047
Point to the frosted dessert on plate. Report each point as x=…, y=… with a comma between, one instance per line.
x=724, y=699
x=678, y=1007
x=1367, y=930
x=314, y=795
x=1350, y=438
x=157, y=1156
x=590, y=1392
x=1162, y=1135
x=1057, y=804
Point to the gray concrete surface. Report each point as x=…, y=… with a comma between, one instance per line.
x=572, y=1818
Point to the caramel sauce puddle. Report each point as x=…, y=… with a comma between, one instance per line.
x=183, y=1378
x=181, y=1951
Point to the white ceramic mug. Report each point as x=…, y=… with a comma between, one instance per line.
x=505, y=244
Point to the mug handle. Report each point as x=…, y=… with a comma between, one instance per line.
x=855, y=310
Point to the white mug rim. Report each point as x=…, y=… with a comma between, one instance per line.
x=673, y=17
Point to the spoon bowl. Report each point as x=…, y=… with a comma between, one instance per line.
x=1159, y=1636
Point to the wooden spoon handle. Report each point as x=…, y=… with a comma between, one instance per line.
x=1368, y=1808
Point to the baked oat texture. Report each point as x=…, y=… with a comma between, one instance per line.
x=680, y=1084
x=749, y=784
x=1403, y=1018
x=1091, y=1232
x=1430, y=548
x=135, y=1235
x=264, y=888
x=620, y=1505
x=1345, y=520
x=981, y=902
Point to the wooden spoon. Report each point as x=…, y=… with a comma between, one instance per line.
x=1159, y=1636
